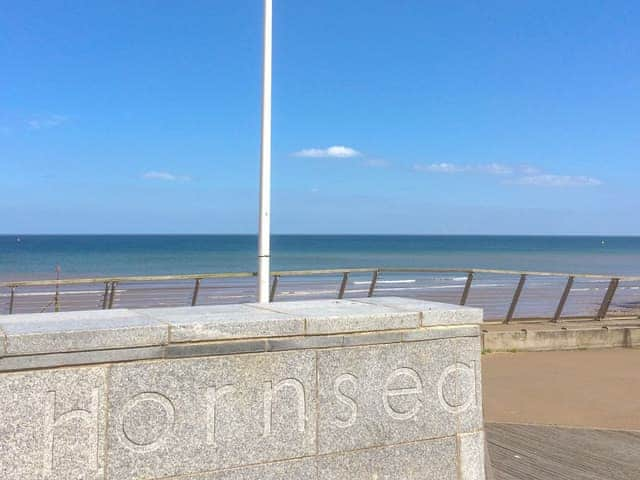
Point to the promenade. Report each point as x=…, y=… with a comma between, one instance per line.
x=571, y=415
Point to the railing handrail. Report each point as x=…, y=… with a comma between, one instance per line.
x=293, y=273
x=599, y=276
x=111, y=284
x=142, y=278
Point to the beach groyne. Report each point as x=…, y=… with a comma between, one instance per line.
x=329, y=389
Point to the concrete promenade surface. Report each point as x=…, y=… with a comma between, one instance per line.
x=588, y=388
x=586, y=405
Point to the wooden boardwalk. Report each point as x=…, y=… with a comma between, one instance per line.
x=526, y=452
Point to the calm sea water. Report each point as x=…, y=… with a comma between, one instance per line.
x=36, y=256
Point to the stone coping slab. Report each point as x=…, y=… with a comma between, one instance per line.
x=100, y=330
x=233, y=347
x=337, y=316
x=225, y=322
x=432, y=313
x=28, y=334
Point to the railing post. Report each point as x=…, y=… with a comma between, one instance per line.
x=563, y=299
x=516, y=297
x=196, y=289
x=374, y=280
x=12, y=299
x=606, y=301
x=112, y=296
x=56, y=299
x=105, y=298
x=467, y=288
x=274, y=288
x=343, y=285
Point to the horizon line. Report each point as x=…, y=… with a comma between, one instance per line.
x=76, y=234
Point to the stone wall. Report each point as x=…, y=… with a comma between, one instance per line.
x=383, y=388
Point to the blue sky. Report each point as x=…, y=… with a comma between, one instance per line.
x=408, y=116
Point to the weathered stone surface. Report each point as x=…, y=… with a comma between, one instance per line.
x=367, y=393
x=52, y=360
x=75, y=331
x=372, y=338
x=305, y=342
x=460, y=392
x=216, y=348
x=380, y=395
x=52, y=424
x=339, y=316
x=304, y=469
x=471, y=451
x=430, y=460
x=433, y=313
x=439, y=333
x=220, y=322
x=190, y=416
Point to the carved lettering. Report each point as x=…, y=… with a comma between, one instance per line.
x=270, y=391
x=213, y=395
x=346, y=400
x=90, y=417
x=414, y=391
x=144, y=439
x=457, y=387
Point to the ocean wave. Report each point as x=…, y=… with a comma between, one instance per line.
x=384, y=281
x=47, y=293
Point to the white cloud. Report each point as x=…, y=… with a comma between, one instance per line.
x=331, y=152
x=166, y=176
x=549, y=180
x=41, y=122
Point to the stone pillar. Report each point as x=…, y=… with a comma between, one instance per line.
x=375, y=388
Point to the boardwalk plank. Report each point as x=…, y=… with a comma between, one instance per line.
x=526, y=452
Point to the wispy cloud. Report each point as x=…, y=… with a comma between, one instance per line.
x=165, y=176
x=495, y=169
x=438, y=168
x=549, y=180
x=41, y=122
x=444, y=167
x=517, y=174
x=529, y=170
x=376, y=163
x=337, y=151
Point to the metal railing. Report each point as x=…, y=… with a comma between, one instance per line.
x=153, y=290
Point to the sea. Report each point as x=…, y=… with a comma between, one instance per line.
x=36, y=257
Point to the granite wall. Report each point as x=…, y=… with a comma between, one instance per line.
x=384, y=388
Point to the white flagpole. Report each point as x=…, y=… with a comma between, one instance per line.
x=264, y=227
